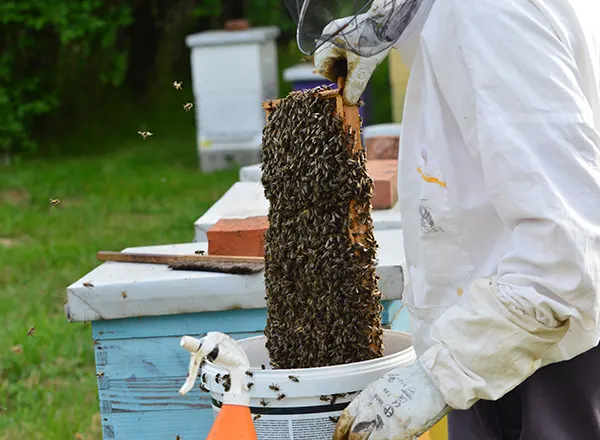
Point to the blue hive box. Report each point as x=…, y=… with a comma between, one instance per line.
x=139, y=313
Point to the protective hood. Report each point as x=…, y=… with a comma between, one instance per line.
x=367, y=27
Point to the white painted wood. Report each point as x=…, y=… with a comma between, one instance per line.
x=247, y=199
x=156, y=290
x=250, y=173
x=382, y=130
x=223, y=37
x=233, y=72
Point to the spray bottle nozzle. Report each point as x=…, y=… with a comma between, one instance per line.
x=222, y=350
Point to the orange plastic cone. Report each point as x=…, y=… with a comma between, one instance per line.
x=234, y=422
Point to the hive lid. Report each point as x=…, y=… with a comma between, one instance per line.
x=377, y=130
x=224, y=37
x=302, y=72
x=156, y=290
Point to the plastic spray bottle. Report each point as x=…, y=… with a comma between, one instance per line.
x=234, y=421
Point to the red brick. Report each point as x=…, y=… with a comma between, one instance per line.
x=241, y=237
x=385, y=176
x=382, y=147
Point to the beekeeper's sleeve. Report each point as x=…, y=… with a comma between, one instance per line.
x=532, y=128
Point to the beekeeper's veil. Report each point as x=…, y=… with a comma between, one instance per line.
x=367, y=28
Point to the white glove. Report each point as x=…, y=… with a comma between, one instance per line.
x=401, y=405
x=360, y=69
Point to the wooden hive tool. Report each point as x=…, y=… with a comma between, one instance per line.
x=199, y=263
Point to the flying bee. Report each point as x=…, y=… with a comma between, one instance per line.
x=145, y=134
x=187, y=107
x=54, y=202
x=178, y=85
x=324, y=398
x=31, y=331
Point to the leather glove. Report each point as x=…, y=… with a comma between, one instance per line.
x=359, y=69
x=402, y=405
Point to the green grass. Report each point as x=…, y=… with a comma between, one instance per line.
x=116, y=191
x=143, y=193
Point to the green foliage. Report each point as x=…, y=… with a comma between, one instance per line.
x=258, y=12
x=270, y=12
x=46, y=46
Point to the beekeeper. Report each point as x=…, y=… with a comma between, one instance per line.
x=500, y=197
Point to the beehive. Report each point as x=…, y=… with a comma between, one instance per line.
x=322, y=296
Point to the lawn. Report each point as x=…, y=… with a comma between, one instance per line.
x=148, y=192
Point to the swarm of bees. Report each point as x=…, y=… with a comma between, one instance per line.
x=322, y=295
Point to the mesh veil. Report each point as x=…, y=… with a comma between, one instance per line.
x=370, y=26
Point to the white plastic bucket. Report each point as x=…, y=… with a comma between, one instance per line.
x=302, y=414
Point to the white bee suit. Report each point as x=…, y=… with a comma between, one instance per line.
x=500, y=190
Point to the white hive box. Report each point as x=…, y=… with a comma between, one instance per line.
x=247, y=199
x=233, y=72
